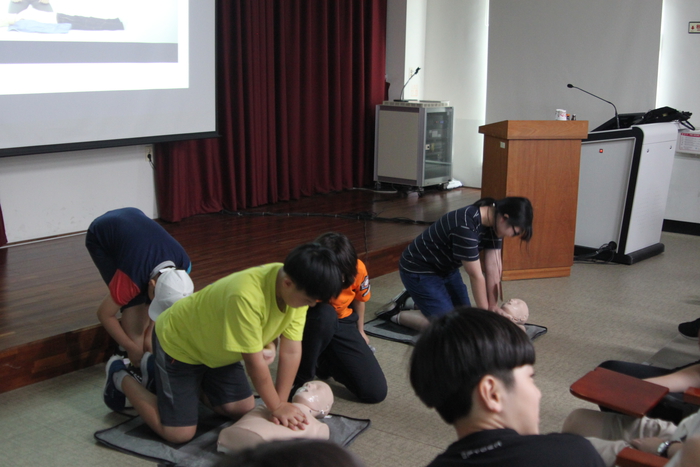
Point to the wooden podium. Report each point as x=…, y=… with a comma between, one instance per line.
x=537, y=159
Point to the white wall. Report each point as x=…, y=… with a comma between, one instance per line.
x=405, y=45
x=678, y=88
x=456, y=25
x=508, y=59
x=396, y=25
x=537, y=47
x=53, y=194
x=426, y=35
x=415, y=48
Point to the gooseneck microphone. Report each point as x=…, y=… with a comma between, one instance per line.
x=617, y=117
x=400, y=99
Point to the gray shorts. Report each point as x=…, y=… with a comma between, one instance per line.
x=179, y=385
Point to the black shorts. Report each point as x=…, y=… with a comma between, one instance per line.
x=178, y=387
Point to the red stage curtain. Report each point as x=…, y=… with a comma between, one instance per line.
x=298, y=84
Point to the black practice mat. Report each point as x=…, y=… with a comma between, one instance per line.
x=534, y=330
x=135, y=438
x=390, y=331
x=385, y=329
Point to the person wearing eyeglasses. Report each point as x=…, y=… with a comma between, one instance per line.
x=471, y=238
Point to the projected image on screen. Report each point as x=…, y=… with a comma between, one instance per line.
x=83, y=74
x=94, y=44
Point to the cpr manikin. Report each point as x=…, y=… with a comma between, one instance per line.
x=515, y=310
x=314, y=399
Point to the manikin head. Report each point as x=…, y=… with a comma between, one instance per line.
x=317, y=396
x=515, y=310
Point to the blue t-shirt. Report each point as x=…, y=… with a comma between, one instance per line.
x=457, y=236
x=127, y=247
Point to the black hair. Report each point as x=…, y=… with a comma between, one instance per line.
x=518, y=209
x=345, y=254
x=314, y=270
x=294, y=453
x=457, y=350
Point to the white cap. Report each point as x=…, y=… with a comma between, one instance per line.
x=172, y=285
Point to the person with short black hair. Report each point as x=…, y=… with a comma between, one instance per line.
x=201, y=342
x=335, y=343
x=468, y=237
x=475, y=368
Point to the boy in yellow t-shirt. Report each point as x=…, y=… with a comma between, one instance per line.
x=202, y=341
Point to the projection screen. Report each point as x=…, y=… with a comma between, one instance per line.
x=80, y=74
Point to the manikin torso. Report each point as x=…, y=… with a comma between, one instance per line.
x=314, y=399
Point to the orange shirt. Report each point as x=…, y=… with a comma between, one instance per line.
x=359, y=291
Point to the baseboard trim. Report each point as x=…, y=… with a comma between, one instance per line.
x=681, y=227
x=541, y=273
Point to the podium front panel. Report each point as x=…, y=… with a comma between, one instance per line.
x=546, y=171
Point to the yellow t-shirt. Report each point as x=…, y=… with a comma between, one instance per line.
x=236, y=314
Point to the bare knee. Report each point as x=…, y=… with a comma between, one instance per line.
x=178, y=434
x=413, y=319
x=570, y=421
x=236, y=409
x=578, y=421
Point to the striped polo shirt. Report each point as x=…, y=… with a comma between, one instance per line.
x=455, y=237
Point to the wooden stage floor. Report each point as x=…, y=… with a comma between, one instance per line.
x=50, y=290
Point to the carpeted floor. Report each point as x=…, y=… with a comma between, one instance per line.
x=600, y=312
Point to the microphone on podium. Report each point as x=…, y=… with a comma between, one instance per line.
x=617, y=117
x=400, y=99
